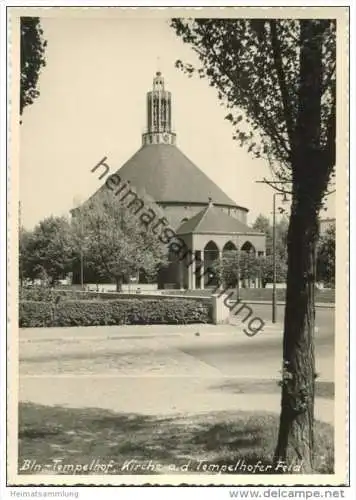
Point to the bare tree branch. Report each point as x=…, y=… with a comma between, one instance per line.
x=282, y=84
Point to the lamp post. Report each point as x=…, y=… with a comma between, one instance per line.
x=284, y=194
x=274, y=301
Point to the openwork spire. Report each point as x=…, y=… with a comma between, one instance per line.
x=159, y=114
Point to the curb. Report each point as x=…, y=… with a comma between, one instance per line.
x=270, y=328
x=326, y=305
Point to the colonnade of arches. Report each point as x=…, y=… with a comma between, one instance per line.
x=203, y=271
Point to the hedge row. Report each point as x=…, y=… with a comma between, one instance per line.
x=44, y=294
x=114, y=312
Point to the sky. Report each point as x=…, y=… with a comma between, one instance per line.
x=93, y=104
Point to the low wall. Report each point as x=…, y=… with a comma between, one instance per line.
x=256, y=294
x=131, y=288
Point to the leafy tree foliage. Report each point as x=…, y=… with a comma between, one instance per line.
x=26, y=270
x=115, y=240
x=266, y=270
x=326, y=257
x=256, y=67
x=277, y=77
x=32, y=59
x=248, y=267
x=263, y=225
x=282, y=238
x=46, y=253
x=233, y=265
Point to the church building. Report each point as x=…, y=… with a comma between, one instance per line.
x=201, y=214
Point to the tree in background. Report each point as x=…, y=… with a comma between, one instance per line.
x=233, y=265
x=31, y=60
x=326, y=257
x=249, y=268
x=266, y=270
x=263, y=225
x=282, y=238
x=46, y=253
x=26, y=271
x=117, y=243
x=278, y=79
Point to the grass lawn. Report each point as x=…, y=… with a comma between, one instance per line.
x=203, y=443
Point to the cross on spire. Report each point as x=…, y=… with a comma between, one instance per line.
x=158, y=64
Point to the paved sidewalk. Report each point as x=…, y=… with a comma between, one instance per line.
x=140, y=331
x=153, y=395
x=158, y=369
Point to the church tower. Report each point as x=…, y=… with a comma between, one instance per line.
x=159, y=115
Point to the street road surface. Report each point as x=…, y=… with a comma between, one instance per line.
x=167, y=369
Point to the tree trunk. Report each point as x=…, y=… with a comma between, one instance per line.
x=295, y=440
x=310, y=177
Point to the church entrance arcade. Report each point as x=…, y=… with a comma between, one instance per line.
x=204, y=269
x=211, y=257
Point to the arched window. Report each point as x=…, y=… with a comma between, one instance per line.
x=248, y=247
x=211, y=257
x=229, y=247
x=211, y=251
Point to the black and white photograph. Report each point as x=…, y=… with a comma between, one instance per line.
x=179, y=301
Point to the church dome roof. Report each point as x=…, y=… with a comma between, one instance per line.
x=159, y=169
x=213, y=220
x=167, y=175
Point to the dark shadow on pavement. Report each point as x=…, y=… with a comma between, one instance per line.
x=323, y=389
x=208, y=442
